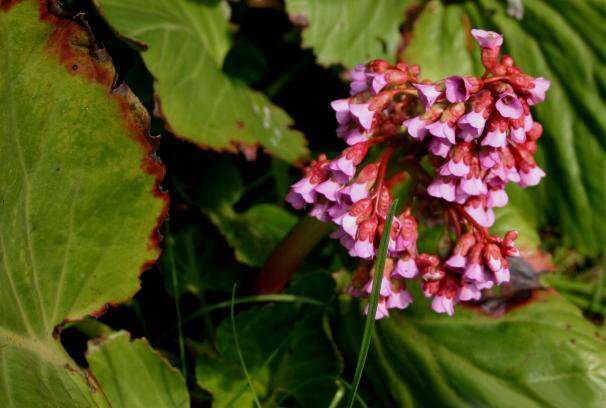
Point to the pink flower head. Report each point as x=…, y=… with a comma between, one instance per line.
x=344, y=167
x=302, y=192
x=540, y=86
x=493, y=258
x=461, y=249
x=442, y=130
x=320, y=211
x=531, y=176
x=487, y=39
x=384, y=290
x=359, y=189
x=458, y=165
x=378, y=82
x=349, y=218
x=362, y=112
x=329, y=189
x=295, y=199
x=351, y=133
x=509, y=106
x=443, y=304
x=344, y=238
x=497, y=133
x=428, y=94
x=469, y=291
x=364, y=244
x=439, y=147
x=502, y=275
x=457, y=89
x=517, y=134
x=417, y=127
x=471, y=125
x=341, y=107
x=359, y=81
x=497, y=198
x=472, y=185
x=399, y=300
x=476, y=207
x=443, y=187
x=489, y=158
x=406, y=240
x=405, y=268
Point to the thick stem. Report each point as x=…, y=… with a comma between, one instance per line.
x=289, y=254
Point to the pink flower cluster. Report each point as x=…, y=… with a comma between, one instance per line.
x=483, y=130
x=477, y=132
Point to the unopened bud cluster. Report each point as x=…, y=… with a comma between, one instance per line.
x=458, y=142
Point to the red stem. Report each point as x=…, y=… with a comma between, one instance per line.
x=461, y=211
x=385, y=156
x=289, y=254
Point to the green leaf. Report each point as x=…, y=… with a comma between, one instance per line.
x=341, y=33
x=254, y=233
x=513, y=217
x=563, y=41
x=287, y=351
x=76, y=204
x=540, y=354
x=133, y=374
x=199, y=262
x=186, y=43
x=221, y=185
x=439, y=43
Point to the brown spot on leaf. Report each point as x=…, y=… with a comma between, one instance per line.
x=299, y=19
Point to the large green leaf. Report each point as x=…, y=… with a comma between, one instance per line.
x=540, y=354
x=255, y=232
x=185, y=45
x=346, y=33
x=194, y=260
x=439, y=43
x=286, y=350
x=564, y=41
x=76, y=202
x=133, y=374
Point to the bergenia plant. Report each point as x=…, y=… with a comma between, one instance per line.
x=456, y=144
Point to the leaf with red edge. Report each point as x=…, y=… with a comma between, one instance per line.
x=79, y=199
x=186, y=43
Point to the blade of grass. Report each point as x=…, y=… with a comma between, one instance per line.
x=237, y=344
x=372, y=304
x=280, y=298
x=177, y=297
x=349, y=387
x=279, y=349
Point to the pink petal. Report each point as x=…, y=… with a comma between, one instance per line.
x=487, y=39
